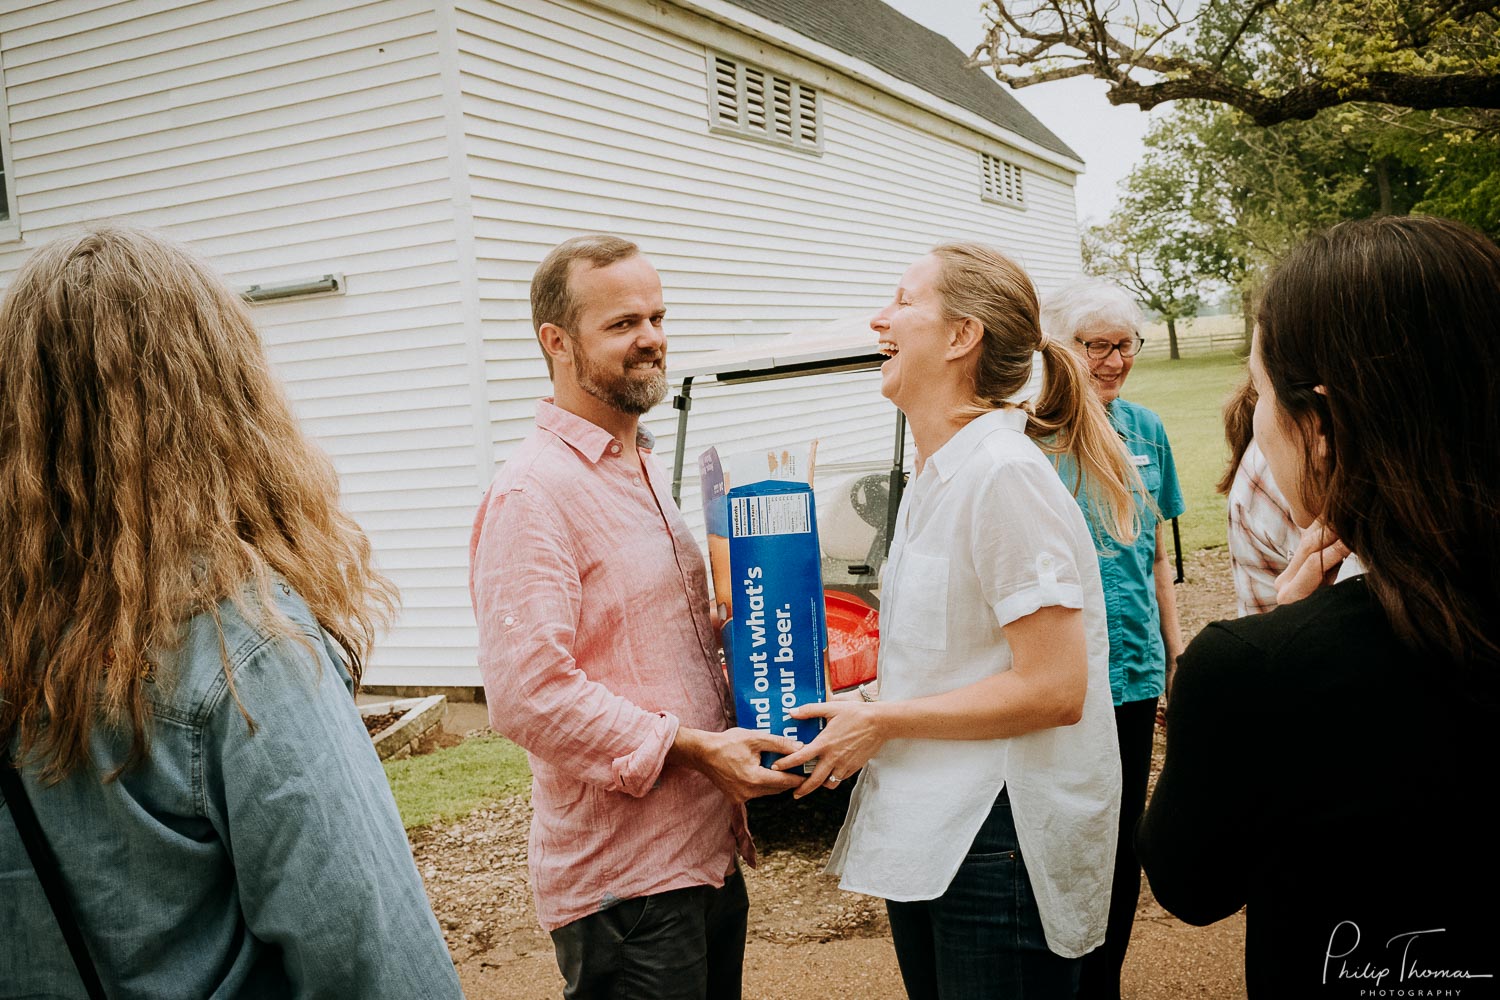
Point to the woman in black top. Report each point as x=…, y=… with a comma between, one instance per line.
x=1330, y=764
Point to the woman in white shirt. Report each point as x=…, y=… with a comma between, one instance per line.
x=987, y=810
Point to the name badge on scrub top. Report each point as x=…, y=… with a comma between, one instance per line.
x=1140, y=459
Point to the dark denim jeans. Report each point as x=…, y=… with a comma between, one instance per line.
x=982, y=938
x=684, y=944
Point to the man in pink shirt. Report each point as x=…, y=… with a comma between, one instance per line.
x=600, y=659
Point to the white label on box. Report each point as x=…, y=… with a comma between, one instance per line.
x=777, y=514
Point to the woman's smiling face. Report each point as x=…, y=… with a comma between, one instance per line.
x=1107, y=375
x=912, y=331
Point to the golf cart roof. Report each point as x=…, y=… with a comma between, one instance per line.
x=841, y=345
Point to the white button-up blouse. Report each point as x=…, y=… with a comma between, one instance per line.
x=987, y=533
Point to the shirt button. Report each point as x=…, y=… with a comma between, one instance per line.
x=510, y=619
x=614, y=449
x=638, y=480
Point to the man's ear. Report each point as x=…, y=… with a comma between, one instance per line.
x=554, y=341
x=964, y=337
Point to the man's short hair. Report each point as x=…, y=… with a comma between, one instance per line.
x=552, y=299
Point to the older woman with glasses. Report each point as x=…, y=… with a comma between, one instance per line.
x=1101, y=322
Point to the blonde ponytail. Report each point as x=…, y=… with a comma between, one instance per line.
x=981, y=282
x=1068, y=419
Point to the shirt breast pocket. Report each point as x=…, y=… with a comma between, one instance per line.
x=921, y=617
x=1150, y=472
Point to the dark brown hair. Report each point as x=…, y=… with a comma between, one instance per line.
x=552, y=299
x=1382, y=334
x=1239, y=430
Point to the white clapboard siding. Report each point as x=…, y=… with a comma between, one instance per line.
x=286, y=141
x=583, y=118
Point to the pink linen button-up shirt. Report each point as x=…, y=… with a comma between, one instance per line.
x=595, y=643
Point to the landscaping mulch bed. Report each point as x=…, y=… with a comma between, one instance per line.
x=436, y=738
x=376, y=724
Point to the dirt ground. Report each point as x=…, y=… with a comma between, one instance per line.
x=808, y=940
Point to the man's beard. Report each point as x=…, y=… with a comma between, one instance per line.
x=625, y=391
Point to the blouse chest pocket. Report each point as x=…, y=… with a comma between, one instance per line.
x=1150, y=472
x=921, y=617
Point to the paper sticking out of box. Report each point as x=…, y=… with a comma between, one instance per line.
x=768, y=584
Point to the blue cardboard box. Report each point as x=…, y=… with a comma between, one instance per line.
x=771, y=599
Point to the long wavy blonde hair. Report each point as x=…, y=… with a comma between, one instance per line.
x=150, y=468
x=979, y=281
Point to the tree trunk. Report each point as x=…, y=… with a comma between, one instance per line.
x=1249, y=318
x=1383, y=185
x=1172, y=339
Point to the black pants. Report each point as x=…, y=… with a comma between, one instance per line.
x=685, y=944
x=1134, y=723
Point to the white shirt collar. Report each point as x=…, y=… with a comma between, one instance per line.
x=948, y=459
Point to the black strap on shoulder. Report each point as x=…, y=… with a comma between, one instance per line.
x=47, y=872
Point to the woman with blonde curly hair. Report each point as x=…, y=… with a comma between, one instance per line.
x=187, y=611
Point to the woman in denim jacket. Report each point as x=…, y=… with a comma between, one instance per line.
x=187, y=610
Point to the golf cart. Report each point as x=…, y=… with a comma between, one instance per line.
x=857, y=501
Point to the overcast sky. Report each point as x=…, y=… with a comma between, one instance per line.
x=1108, y=138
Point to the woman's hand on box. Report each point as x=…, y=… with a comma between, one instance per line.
x=851, y=735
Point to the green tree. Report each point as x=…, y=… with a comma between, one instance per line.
x=1453, y=155
x=1273, y=60
x=1249, y=193
x=1219, y=199
x=1135, y=251
x=1215, y=199
x=1283, y=138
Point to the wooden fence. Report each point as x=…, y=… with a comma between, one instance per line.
x=1195, y=337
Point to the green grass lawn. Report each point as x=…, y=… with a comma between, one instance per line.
x=1188, y=395
x=449, y=784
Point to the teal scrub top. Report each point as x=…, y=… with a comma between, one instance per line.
x=1137, y=658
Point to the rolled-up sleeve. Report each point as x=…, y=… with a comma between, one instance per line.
x=527, y=591
x=1021, y=519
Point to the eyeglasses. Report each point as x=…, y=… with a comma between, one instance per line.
x=1098, y=350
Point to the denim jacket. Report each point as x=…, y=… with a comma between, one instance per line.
x=230, y=863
